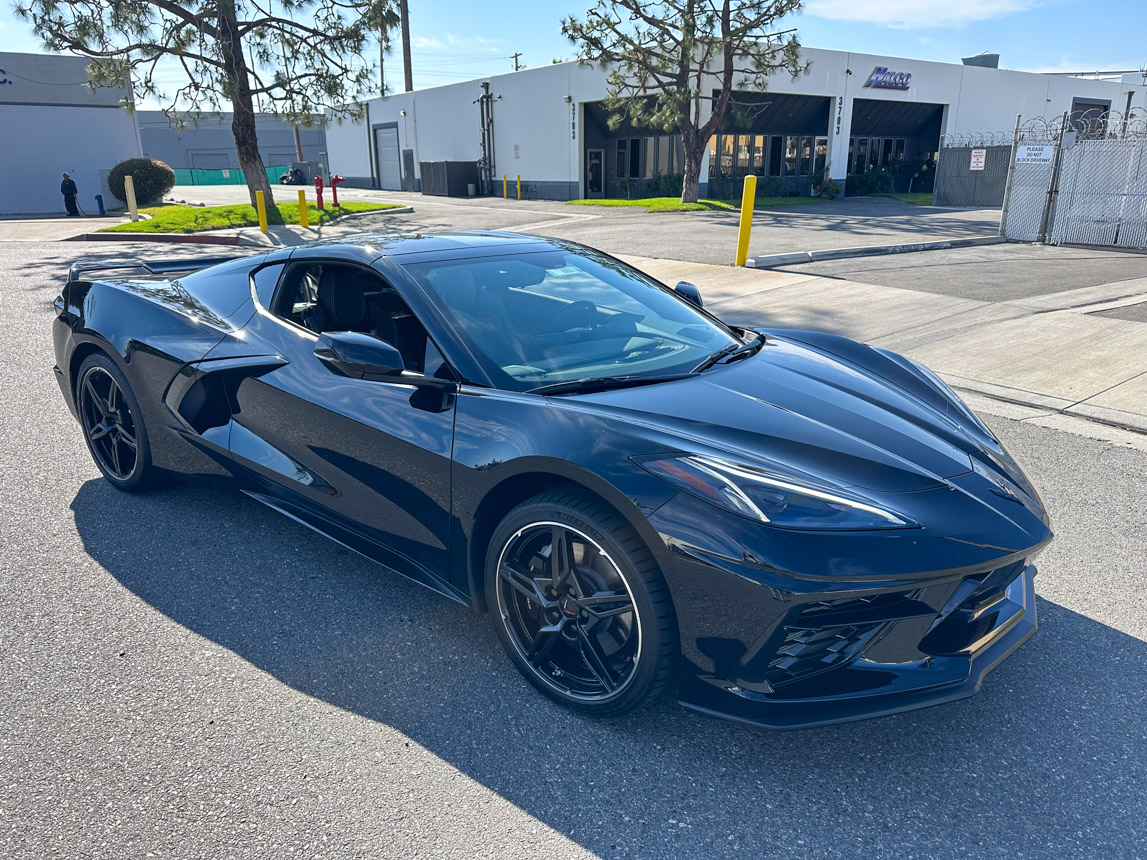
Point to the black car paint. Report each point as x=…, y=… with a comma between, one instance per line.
x=416, y=476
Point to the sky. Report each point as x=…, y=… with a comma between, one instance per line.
x=457, y=40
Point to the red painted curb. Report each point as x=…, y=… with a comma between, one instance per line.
x=191, y=238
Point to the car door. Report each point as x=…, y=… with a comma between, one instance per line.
x=366, y=461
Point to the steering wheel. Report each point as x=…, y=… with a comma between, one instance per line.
x=579, y=314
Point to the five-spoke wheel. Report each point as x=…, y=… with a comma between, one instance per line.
x=583, y=610
x=111, y=421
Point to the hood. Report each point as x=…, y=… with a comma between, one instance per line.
x=797, y=406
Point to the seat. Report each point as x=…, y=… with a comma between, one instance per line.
x=341, y=306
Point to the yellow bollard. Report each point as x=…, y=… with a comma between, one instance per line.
x=519, y=186
x=261, y=205
x=505, y=195
x=129, y=193
x=748, y=197
x=304, y=215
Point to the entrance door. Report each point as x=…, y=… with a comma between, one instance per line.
x=595, y=173
x=389, y=165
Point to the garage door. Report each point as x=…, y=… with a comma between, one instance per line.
x=389, y=165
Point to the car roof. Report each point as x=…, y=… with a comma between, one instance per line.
x=447, y=243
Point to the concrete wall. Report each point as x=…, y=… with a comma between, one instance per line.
x=53, y=123
x=209, y=143
x=441, y=123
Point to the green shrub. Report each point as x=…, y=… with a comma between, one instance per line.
x=151, y=178
x=875, y=180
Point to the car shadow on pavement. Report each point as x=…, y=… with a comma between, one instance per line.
x=1049, y=759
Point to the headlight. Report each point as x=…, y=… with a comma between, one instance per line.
x=771, y=498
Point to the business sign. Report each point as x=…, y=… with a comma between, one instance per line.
x=883, y=79
x=1034, y=154
x=978, y=157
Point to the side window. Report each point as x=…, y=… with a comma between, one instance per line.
x=265, y=280
x=324, y=297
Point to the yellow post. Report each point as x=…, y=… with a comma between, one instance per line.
x=129, y=193
x=748, y=197
x=519, y=186
x=505, y=194
x=261, y=205
x=304, y=215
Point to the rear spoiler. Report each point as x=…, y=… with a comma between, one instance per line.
x=80, y=268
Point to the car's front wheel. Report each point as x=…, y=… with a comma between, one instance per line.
x=580, y=604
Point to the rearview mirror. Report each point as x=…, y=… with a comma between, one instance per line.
x=688, y=292
x=358, y=355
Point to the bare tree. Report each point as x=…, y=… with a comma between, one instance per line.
x=668, y=58
x=303, y=60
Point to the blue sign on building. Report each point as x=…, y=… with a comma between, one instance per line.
x=882, y=79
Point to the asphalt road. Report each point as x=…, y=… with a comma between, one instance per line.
x=995, y=273
x=701, y=237
x=188, y=674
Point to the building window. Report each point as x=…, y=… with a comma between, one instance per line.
x=622, y=158
x=791, y=146
x=820, y=154
x=776, y=152
x=806, y=156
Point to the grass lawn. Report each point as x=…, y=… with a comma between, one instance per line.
x=197, y=219
x=916, y=198
x=674, y=204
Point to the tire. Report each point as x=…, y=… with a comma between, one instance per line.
x=600, y=636
x=112, y=423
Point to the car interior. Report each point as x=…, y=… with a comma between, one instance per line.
x=327, y=297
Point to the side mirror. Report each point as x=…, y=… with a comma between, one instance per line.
x=358, y=355
x=689, y=292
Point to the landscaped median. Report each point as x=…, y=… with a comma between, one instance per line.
x=674, y=204
x=199, y=219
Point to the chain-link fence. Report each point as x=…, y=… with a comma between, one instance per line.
x=1102, y=193
x=972, y=170
x=1078, y=179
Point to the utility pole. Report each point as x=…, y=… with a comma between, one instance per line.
x=514, y=57
x=403, y=10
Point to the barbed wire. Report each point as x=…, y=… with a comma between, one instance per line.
x=1088, y=125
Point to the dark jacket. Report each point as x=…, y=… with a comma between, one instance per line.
x=68, y=188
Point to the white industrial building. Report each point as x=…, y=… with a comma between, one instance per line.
x=848, y=113
x=55, y=124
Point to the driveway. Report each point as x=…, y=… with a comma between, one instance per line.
x=701, y=237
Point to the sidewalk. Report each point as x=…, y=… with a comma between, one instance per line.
x=1051, y=352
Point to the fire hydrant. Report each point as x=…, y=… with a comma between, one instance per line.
x=319, y=192
x=335, y=180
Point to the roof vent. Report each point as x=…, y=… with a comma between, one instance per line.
x=987, y=59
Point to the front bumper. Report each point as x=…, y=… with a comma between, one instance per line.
x=865, y=687
x=873, y=624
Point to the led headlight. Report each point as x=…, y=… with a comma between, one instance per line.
x=771, y=498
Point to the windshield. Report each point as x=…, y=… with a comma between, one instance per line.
x=552, y=316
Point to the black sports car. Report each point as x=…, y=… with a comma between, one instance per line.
x=790, y=527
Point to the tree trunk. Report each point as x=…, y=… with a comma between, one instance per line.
x=693, y=149
x=242, y=105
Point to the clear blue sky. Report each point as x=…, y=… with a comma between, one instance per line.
x=462, y=39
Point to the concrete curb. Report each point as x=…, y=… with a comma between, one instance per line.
x=176, y=238
x=212, y=238
x=772, y=261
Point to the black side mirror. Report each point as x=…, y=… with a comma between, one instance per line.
x=689, y=292
x=359, y=355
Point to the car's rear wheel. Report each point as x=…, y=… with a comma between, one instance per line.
x=113, y=424
x=581, y=607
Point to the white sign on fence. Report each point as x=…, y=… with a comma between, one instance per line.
x=978, y=156
x=1034, y=154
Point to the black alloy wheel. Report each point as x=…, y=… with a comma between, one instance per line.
x=582, y=608
x=113, y=429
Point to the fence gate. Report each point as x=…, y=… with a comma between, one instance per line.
x=1102, y=194
x=1079, y=179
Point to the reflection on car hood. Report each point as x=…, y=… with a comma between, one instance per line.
x=798, y=406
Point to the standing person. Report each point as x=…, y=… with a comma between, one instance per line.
x=69, y=190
